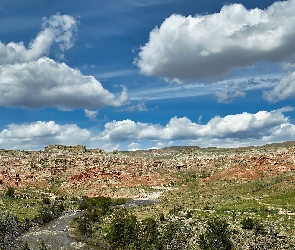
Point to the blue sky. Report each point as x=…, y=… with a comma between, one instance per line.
x=134, y=74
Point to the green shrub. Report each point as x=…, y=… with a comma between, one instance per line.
x=248, y=223
x=123, y=230
x=259, y=229
x=94, y=215
x=10, y=230
x=10, y=192
x=149, y=235
x=46, y=201
x=172, y=236
x=85, y=225
x=119, y=201
x=58, y=208
x=45, y=214
x=216, y=236
x=48, y=212
x=104, y=203
x=161, y=217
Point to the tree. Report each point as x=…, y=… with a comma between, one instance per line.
x=10, y=230
x=149, y=235
x=174, y=236
x=216, y=236
x=85, y=225
x=45, y=213
x=123, y=230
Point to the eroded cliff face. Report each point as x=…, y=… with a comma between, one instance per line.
x=75, y=170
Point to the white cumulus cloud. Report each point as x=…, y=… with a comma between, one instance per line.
x=58, y=29
x=46, y=83
x=133, y=146
x=236, y=127
x=30, y=79
x=37, y=135
x=230, y=131
x=208, y=46
x=91, y=115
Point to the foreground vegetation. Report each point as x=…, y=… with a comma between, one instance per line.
x=21, y=210
x=201, y=216
x=194, y=214
x=207, y=205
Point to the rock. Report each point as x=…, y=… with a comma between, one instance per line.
x=282, y=234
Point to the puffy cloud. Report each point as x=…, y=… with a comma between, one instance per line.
x=109, y=147
x=46, y=83
x=133, y=146
x=284, y=90
x=208, y=46
x=30, y=79
x=122, y=99
x=130, y=130
x=230, y=131
x=56, y=29
x=236, y=127
x=37, y=135
x=91, y=115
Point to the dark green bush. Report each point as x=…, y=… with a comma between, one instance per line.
x=94, y=215
x=10, y=230
x=48, y=212
x=161, y=217
x=259, y=229
x=248, y=223
x=46, y=201
x=10, y=192
x=104, y=203
x=119, y=201
x=149, y=238
x=216, y=236
x=85, y=225
x=45, y=214
x=58, y=208
x=172, y=236
x=123, y=230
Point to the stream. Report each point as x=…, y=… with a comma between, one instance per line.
x=55, y=233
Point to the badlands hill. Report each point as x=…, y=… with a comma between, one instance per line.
x=77, y=171
x=245, y=195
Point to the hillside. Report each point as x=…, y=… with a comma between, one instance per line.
x=78, y=171
x=195, y=184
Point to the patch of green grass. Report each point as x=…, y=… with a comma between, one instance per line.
x=285, y=200
x=24, y=209
x=243, y=206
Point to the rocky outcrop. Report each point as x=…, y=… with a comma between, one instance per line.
x=78, y=170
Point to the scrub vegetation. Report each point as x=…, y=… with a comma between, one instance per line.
x=210, y=199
